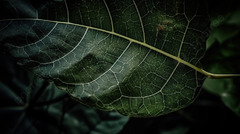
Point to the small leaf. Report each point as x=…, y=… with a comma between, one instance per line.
x=113, y=55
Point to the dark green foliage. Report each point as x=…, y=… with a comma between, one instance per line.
x=32, y=105
x=223, y=55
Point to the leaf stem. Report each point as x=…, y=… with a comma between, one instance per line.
x=218, y=76
x=208, y=74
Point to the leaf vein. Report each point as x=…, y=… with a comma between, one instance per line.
x=124, y=37
x=38, y=40
x=141, y=22
x=183, y=38
x=67, y=10
x=160, y=91
x=109, y=14
x=69, y=51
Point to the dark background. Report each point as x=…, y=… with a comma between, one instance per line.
x=31, y=105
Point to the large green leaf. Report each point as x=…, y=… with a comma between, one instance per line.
x=132, y=56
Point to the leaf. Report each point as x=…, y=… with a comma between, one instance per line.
x=39, y=107
x=134, y=57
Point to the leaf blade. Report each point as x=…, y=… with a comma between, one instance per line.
x=114, y=70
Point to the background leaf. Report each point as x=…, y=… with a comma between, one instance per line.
x=223, y=55
x=31, y=105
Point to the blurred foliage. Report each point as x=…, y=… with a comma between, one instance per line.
x=223, y=54
x=31, y=105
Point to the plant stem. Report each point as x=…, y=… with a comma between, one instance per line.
x=208, y=74
x=218, y=76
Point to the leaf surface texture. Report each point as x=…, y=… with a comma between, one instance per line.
x=112, y=55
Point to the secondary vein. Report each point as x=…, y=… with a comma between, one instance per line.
x=69, y=51
x=183, y=38
x=110, y=16
x=140, y=19
x=67, y=10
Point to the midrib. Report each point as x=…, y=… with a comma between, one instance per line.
x=178, y=59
